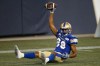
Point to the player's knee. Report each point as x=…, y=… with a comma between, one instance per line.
x=37, y=53
x=54, y=53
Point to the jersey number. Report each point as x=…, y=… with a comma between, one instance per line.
x=61, y=43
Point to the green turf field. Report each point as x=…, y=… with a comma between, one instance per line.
x=90, y=57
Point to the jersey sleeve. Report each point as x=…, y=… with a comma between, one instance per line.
x=73, y=40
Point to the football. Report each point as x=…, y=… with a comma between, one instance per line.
x=50, y=5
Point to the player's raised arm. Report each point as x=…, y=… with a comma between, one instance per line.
x=51, y=24
x=51, y=7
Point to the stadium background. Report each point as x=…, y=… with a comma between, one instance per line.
x=26, y=18
x=29, y=17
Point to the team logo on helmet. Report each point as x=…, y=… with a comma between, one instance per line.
x=65, y=25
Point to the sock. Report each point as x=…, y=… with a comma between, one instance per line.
x=29, y=55
x=21, y=55
x=51, y=57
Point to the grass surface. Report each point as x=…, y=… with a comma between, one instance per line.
x=84, y=58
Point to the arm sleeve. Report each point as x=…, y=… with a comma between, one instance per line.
x=73, y=40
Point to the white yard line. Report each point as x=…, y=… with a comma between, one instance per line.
x=30, y=50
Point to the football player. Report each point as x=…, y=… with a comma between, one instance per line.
x=66, y=42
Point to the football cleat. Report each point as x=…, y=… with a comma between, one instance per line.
x=18, y=53
x=46, y=61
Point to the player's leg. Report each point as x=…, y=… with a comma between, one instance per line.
x=58, y=58
x=31, y=55
x=18, y=53
x=44, y=54
x=51, y=57
x=54, y=57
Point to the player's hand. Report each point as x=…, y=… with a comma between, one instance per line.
x=66, y=55
x=50, y=6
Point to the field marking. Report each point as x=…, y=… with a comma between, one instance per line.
x=31, y=50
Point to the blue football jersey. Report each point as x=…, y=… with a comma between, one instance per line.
x=64, y=41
